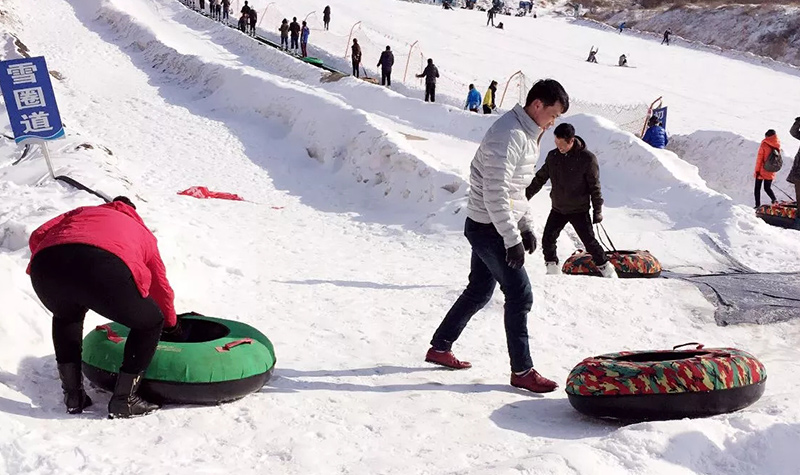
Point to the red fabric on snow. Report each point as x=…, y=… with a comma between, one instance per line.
x=203, y=192
x=117, y=228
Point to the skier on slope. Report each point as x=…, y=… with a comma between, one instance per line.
x=656, y=135
x=575, y=183
x=430, y=74
x=103, y=258
x=498, y=228
x=473, y=99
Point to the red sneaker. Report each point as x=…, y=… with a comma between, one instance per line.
x=446, y=358
x=533, y=381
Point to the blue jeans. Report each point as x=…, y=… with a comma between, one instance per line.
x=487, y=268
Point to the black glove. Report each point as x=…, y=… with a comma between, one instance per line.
x=529, y=192
x=529, y=241
x=515, y=256
x=597, y=217
x=172, y=334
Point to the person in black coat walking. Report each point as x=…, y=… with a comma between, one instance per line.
x=575, y=178
x=326, y=16
x=430, y=74
x=385, y=63
x=355, y=56
x=666, y=37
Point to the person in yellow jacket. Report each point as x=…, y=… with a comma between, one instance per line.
x=488, y=99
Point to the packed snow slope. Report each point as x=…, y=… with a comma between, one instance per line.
x=347, y=254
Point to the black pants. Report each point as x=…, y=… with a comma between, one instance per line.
x=582, y=223
x=73, y=278
x=386, y=78
x=327, y=23
x=488, y=267
x=767, y=188
x=285, y=42
x=295, y=43
x=487, y=109
x=430, y=92
x=355, y=68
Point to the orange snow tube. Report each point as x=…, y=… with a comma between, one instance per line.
x=635, y=264
x=782, y=214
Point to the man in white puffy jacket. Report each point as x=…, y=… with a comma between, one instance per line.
x=499, y=230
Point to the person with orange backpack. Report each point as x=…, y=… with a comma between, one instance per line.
x=768, y=162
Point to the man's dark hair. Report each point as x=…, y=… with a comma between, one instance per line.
x=770, y=133
x=549, y=91
x=125, y=200
x=565, y=131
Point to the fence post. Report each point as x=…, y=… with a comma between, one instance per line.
x=506, y=88
x=265, y=12
x=347, y=46
x=408, y=60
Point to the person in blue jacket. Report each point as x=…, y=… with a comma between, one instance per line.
x=656, y=136
x=304, y=32
x=473, y=99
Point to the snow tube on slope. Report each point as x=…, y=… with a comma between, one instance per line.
x=782, y=214
x=314, y=61
x=629, y=264
x=671, y=384
x=216, y=361
x=203, y=193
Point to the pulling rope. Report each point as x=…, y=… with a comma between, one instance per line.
x=599, y=227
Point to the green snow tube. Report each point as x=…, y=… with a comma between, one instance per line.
x=314, y=61
x=216, y=361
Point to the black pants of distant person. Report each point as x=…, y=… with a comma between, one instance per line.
x=767, y=188
x=285, y=42
x=71, y=279
x=487, y=109
x=295, y=42
x=430, y=92
x=582, y=224
x=386, y=77
x=355, y=68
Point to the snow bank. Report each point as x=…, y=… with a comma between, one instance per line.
x=338, y=136
x=727, y=160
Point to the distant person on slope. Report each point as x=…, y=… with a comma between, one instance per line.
x=490, y=16
x=326, y=16
x=355, y=56
x=794, y=174
x=621, y=27
x=226, y=8
x=294, y=32
x=245, y=9
x=304, y=33
x=592, y=55
x=253, y=21
x=244, y=22
x=103, y=258
x=768, y=145
x=656, y=135
x=623, y=61
x=284, y=29
x=489, y=98
x=666, y=37
x=430, y=74
x=498, y=228
x=212, y=8
x=575, y=183
x=385, y=63
x=473, y=99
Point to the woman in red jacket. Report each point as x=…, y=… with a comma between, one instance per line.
x=103, y=258
x=769, y=144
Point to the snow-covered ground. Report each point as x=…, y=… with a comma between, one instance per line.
x=349, y=250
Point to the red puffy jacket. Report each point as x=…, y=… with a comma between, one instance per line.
x=117, y=228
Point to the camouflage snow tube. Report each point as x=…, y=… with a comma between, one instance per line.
x=782, y=214
x=671, y=384
x=629, y=264
x=217, y=360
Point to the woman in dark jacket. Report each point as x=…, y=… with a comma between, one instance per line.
x=794, y=175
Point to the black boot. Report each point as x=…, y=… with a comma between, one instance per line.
x=125, y=402
x=75, y=398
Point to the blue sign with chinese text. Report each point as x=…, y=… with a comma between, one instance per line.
x=661, y=113
x=30, y=101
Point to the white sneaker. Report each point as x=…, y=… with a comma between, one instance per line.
x=553, y=268
x=607, y=270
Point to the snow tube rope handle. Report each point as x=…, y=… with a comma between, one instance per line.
x=110, y=334
x=700, y=346
x=228, y=346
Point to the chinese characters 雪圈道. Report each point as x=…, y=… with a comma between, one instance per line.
x=29, y=98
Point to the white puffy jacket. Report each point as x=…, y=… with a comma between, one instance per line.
x=503, y=167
